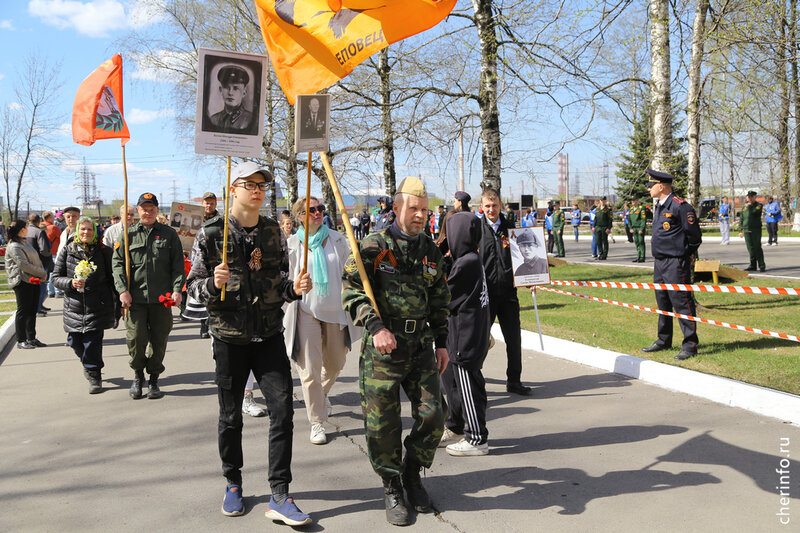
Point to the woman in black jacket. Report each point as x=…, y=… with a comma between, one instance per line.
x=89, y=302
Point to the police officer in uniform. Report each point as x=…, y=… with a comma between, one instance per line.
x=676, y=238
x=637, y=217
x=558, y=228
x=404, y=267
x=602, y=228
x=750, y=229
x=233, y=118
x=156, y=269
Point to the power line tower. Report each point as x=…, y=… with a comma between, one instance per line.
x=174, y=191
x=87, y=187
x=605, y=182
x=188, y=193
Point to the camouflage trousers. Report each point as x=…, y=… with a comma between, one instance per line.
x=412, y=366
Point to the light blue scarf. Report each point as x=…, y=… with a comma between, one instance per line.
x=319, y=264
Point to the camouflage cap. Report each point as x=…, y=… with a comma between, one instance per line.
x=413, y=186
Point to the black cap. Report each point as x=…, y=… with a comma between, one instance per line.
x=752, y=193
x=146, y=198
x=209, y=196
x=233, y=74
x=462, y=196
x=72, y=208
x=658, y=177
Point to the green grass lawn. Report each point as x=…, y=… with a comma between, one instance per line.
x=757, y=359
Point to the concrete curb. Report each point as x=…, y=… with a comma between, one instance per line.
x=759, y=400
x=7, y=335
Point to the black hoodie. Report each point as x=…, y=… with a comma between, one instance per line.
x=468, y=325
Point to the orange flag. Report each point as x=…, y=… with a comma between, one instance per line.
x=315, y=43
x=97, y=111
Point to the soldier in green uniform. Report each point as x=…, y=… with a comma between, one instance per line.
x=558, y=228
x=637, y=218
x=156, y=269
x=602, y=228
x=404, y=267
x=750, y=229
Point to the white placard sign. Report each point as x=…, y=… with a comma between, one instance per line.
x=230, y=103
x=312, y=124
x=529, y=256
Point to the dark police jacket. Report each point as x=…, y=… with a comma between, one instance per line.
x=496, y=257
x=676, y=232
x=259, y=279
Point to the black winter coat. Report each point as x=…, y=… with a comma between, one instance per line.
x=496, y=258
x=93, y=309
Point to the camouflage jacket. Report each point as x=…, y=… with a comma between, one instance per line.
x=156, y=262
x=408, y=281
x=259, y=279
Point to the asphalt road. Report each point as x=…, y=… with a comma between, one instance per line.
x=782, y=260
x=589, y=451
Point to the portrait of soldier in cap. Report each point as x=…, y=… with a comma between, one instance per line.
x=236, y=116
x=528, y=255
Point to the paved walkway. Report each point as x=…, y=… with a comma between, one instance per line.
x=589, y=451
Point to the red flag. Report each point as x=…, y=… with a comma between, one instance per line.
x=97, y=112
x=315, y=43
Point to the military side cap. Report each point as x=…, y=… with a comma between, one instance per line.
x=209, y=196
x=462, y=196
x=527, y=237
x=413, y=186
x=247, y=169
x=752, y=193
x=653, y=177
x=233, y=74
x=147, y=198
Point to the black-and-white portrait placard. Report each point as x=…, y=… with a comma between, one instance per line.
x=230, y=103
x=529, y=256
x=312, y=122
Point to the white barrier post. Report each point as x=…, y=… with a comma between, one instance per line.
x=538, y=324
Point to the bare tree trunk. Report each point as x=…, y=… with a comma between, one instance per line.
x=693, y=107
x=795, y=49
x=660, y=107
x=487, y=95
x=783, y=119
x=386, y=122
x=291, y=163
x=269, y=138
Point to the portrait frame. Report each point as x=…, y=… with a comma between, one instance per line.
x=244, y=136
x=186, y=225
x=312, y=137
x=532, y=267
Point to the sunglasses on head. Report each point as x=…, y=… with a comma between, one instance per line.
x=314, y=209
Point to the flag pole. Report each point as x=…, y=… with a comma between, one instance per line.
x=305, y=224
x=350, y=235
x=225, y=226
x=125, y=226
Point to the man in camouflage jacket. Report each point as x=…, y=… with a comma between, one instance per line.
x=404, y=267
x=247, y=332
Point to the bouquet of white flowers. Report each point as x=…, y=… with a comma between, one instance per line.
x=83, y=270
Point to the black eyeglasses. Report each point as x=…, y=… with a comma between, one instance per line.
x=252, y=185
x=314, y=209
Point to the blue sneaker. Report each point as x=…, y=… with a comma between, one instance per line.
x=288, y=513
x=233, y=505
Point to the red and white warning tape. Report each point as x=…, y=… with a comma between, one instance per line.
x=784, y=336
x=786, y=291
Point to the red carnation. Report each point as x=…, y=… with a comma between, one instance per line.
x=35, y=281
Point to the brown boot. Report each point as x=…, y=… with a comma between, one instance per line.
x=396, y=510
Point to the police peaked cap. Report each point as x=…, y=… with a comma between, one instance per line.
x=462, y=196
x=658, y=177
x=232, y=74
